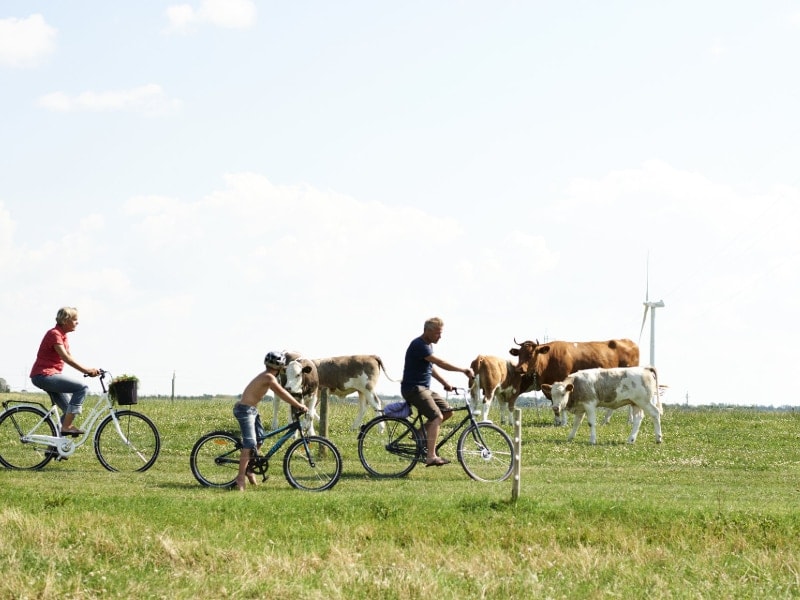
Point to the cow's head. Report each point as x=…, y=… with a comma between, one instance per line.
x=296, y=372
x=529, y=360
x=559, y=394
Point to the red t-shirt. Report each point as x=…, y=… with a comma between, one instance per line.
x=48, y=361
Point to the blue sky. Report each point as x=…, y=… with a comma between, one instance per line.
x=211, y=180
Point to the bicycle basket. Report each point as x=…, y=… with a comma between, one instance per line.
x=400, y=410
x=124, y=393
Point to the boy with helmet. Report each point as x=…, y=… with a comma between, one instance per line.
x=246, y=411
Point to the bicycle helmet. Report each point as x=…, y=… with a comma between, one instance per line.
x=275, y=360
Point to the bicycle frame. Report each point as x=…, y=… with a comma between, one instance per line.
x=288, y=432
x=417, y=423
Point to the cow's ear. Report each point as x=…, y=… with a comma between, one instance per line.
x=543, y=349
x=546, y=387
x=306, y=369
x=568, y=387
x=514, y=351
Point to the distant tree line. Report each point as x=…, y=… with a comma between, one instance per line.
x=4, y=387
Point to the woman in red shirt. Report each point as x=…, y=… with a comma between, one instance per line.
x=68, y=394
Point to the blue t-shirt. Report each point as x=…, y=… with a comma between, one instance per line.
x=417, y=370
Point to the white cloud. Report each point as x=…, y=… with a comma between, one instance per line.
x=148, y=100
x=229, y=14
x=211, y=282
x=26, y=42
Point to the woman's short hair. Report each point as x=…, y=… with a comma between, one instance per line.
x=65, y=314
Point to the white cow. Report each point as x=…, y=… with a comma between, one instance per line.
x=584, y=391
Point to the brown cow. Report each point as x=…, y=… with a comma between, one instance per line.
x=555, y=361
x=496, y=378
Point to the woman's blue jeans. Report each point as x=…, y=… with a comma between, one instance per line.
x=68, y=394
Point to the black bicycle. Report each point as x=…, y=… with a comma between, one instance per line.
x=392, y=446
x=312, y=463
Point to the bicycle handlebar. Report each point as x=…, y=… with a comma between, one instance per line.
x=100, y=373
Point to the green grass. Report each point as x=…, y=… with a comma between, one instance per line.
x=710, y=513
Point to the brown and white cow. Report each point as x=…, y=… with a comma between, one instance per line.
x=496, y=378
x=343, y=375
x=553, y=361
x=583, y=392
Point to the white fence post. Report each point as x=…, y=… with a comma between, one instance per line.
x=517, y=471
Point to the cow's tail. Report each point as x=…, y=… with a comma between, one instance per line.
x=657, y=400
x=380, y=364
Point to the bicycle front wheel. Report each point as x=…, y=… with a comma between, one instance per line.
x=215, y=459
x=387, y=447
x=486, y=452
x=134, y=446
x=313, y=464
x=16, y=454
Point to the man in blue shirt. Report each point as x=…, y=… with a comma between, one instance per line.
x=416, y=384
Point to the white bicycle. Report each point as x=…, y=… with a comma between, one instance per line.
x=30, y=435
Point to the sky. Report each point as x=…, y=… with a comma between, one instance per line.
x=212, y=180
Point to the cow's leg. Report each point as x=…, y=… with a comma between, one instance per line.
x=477, y=407
x=311, y=403
x=591, y=416
x=654, y=414
x=362, y=410
x=487, y=404
x=578, y=421
x=638, y=413
x=607, y=418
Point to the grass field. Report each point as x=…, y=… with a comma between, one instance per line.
x=710, y=513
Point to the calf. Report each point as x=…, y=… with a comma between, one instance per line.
x=300, y=379
x=343, y=375
x=496, y=378
x=584, y=391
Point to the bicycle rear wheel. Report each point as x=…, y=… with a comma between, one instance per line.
x=315, y=469
x=15, y=454
x=215, y=459
x=134, y=447
x=486, y=452
x=387, y=447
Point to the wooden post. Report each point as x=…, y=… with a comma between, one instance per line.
x=323, y=412
x=517, y=471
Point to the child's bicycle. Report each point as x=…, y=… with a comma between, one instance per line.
x=312, y=463
x=30, y=435
x=392, y=446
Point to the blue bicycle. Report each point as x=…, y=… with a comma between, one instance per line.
x=312, y=463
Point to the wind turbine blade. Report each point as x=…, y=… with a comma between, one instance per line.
x=644, y=318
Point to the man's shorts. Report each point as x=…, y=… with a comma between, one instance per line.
x=429, y=404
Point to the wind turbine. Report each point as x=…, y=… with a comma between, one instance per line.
x=650, y=306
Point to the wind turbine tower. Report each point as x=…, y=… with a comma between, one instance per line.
x=650, y=306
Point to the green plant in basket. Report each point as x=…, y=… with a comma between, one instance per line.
x=124, y=389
